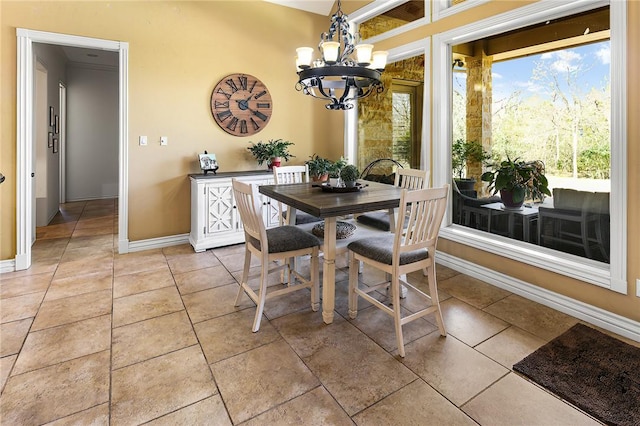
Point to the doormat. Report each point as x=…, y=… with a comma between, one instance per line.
x=593, y=371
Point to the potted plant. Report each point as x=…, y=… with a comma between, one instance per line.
x=462, y=154
x=349, y=174
x=273, y=152
x=319, y=168
x=517, y=180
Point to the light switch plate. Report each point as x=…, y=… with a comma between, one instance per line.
x=164, y=140
x=142, y=140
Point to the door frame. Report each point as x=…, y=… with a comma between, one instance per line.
x=24, y=133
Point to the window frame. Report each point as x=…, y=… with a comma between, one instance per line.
x=612, y=276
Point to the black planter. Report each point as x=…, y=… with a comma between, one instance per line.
x=507, y=200
x=465, y=185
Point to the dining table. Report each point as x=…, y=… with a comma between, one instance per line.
x=329, y=204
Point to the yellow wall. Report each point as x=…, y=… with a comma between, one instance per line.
x=178, y=51
x=625, y=305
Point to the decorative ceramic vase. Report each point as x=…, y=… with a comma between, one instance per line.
x=275, y=161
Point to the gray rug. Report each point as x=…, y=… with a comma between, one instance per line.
x=595, y=372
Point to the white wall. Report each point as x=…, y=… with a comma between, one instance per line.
x=47, y=170
x=92, y=132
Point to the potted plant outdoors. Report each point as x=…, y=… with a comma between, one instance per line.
x=319, y=168
x=517, y=180
x=273, y=152
x=462, y=154
x=349, y=174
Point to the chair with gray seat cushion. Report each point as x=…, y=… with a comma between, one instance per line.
x=398, y=254
x=406, y=179
x=280, y=243
x=293, y=174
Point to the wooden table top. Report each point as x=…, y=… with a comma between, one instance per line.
x=313, y=200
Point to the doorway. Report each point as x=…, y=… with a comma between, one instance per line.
x=25, y=170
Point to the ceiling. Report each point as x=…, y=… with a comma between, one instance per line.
x=321, y=7
x=91, y=56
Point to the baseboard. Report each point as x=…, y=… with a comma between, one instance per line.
x=154, y=243
x=7, y=266
x=588, y=313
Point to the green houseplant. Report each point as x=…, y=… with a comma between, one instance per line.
x=462, y=154
x=319, y=167
x=336, y=167
x=349, y=174
x=517, y=180
x=273, y=152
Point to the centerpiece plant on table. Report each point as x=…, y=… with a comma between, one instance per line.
x=319, y=168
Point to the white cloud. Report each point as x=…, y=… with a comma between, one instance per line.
x=565, y=61
x=604, y=54
x=495, y=75
x=546, y=55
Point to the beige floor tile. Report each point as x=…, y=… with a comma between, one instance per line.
x=415, y=404
x=72, y=309
x=20, y=286
x=510, y=346
x=79, y=284
x=256, y=381
x=6, y=364
x=153, y=388
x=452, y=368
x=192, y=262
x=513, y=400
x=139, y=282
x=138, y=262
x=235, y=263
x=177, y=250
x=228, y=250
x=38, y=266
x=315, y=407
x=202, y=279
x=215, y=302
x=60, y=230
x=472, y=291
x=209, y=411
x=380, y=327
x=530, y=316
x=86, y=253
x=91, y=241
x=142, y=306
x=20, y=307
x=98, y=222
x=467, y=323
x=231, y=334
x=12, y=335
x=343, y=358
x=103, y=263
x=147, y=339
x=58, y=344
x=102, y=230
x=58, y=391
x=94, y=416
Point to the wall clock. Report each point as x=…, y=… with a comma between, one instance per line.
x=241, y=104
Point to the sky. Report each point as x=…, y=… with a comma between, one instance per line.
x=591, y=63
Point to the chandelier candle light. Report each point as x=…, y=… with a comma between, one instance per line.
x=338, y=77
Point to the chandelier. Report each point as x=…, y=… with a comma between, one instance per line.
x=338, y=77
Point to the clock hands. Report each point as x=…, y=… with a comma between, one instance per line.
x=258, y=114
x=243, y=104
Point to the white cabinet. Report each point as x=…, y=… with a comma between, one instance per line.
x=215, y=220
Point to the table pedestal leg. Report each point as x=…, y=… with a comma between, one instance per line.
x=329, y=270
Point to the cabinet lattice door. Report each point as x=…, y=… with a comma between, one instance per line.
x=221, y=215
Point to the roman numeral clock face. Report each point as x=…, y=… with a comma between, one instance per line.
x=241, y=104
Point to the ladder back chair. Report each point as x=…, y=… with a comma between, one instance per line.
x=406, y=179
x=293, y=174
x=400, y=253
x=268, y=245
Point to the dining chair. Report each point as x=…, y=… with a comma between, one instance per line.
x=268, y=245
x=293, y=174
x=406, y=179
x=400, y=253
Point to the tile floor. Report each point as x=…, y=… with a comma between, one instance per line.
x=93, y=337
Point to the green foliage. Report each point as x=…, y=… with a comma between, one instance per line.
x=349, y=173
x=319, y=166
x=465, y=152
x=337, y=166
x=265, y=151
x=525, y=179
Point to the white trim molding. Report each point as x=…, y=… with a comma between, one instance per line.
x=160, y=242
x=589, y=313
x=24, y=132
x=7, y=266
x=378, y=7
x=612, y=276
x=442, y=9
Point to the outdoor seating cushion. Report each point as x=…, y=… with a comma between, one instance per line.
x=287, y=238
x=380, y=249
x=571, y=199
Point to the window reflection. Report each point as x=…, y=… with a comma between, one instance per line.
x=394, y=18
